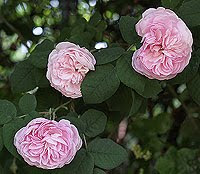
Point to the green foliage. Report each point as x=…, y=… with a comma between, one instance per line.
x=22, y=78
x=107, y=154
x=27, y=103
x=148, y=130
x=190, y=11
x=108, y=55
x=40, y=78
x=189, y=133
x=179, y=162
x=170, y=3
x=137, y=103
x=193, y=87
x=1, y=170
x=116, y=102
x=1, y=139
x=9, y=131
x=160, y=134
x=7, y=111
x=95, y=19
x=26, y=77
x=39, y=56
x=100, y=85
x=82, y=164
x=95, y=122
x=73, y=118
x=143, y=86
x=98, y=171
x=126, y=25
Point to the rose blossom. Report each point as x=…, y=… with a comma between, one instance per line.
x=48, y=144
x=68, y=65
x=167, y=44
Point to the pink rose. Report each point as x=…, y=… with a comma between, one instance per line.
x=68, y=65
x=48, y=144
x=167, y=44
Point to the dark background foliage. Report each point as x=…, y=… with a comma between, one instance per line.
x=164, y=127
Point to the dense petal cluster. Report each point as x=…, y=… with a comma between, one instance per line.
x=48, y=144
x=167, y=44
x=68, y=65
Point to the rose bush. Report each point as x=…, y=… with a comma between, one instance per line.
x=104, y=87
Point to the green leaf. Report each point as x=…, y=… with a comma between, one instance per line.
x=166, y=164
x=193, y=88
x=100, y=85
x=149, y=130
x=107, y=154
x=39, y=56
x=178, y=162
x=81, y=125
x=190, y=12
x=107, y=55
x=143, y=86
x=161, y=123
x=137, y=101
x=1, y=139
x=27, y=103
x=22, y=79
x=196, y=36
x=116, y=102
x=9, y=131
x=102, y=25
x=64, y=34
x=7, y=111
x=40, y=78
x=189, y=133
x=83, y=39
x=53, y=98
x=95, y=122
x=170, y=3
x=98, y=171
x=1, y=170
x=32, y=170
x=83, y=163
x=78, y=29
x=127, y=29
x=95, y=19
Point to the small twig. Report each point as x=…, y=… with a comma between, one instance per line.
x=93, y=50
x=85, y=142
x=47, y=113
x=22, y=116
x=130, y=47
x=61, y=106
x=9, y=25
